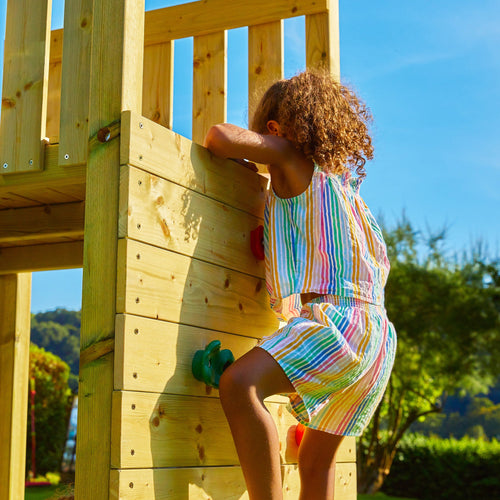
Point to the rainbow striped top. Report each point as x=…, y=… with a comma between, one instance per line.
x=325, y=240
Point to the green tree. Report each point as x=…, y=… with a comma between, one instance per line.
x=446, y=314
x=53, y=401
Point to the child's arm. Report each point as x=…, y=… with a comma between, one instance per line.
x=229, y=141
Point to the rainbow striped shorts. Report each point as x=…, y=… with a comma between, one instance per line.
x=338, y=354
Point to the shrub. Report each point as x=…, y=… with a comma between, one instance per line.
x=435, y=468
x=52, y=407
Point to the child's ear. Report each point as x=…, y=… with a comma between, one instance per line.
x=274, y=127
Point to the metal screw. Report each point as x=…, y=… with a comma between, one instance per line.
x=66, y=156
x=5, y=165
x=140, y=157
x=30, y=163
x=141, y=125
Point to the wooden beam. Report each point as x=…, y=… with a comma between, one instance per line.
x=114, y=53
x=200, y=483
x=210, y=16
x=41, y=257
x=75, y=87
x=164, y=214
x=209, y=82
x=15, y=317
x=158, y=91
x=25, y=85
x=322, y=40
x=48, y=221
x=151, y=147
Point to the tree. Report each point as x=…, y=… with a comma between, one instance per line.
x=447, y=317
x=53, y=401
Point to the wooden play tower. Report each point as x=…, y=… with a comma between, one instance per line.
x=92, y=176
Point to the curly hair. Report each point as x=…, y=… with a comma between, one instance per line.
x=323, y=118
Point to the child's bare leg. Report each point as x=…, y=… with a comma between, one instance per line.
x=317, y=464
x=243, y=388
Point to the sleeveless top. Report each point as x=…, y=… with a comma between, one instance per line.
x=325, y=240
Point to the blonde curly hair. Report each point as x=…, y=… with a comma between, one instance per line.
x=323, y=118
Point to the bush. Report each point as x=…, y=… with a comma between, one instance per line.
x=435, y=468
x=52, y=408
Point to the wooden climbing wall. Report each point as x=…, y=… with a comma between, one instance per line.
x=186, y=276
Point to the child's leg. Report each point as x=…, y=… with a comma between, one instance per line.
x=243, y=388
x=317, y=464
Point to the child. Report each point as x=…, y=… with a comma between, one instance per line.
x=326, y=267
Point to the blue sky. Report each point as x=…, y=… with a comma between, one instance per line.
x=429, y=71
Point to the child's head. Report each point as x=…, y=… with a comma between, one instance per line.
x=324, y=119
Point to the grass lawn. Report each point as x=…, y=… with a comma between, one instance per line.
x=45, y=492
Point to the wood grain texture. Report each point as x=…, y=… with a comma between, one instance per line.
x=157, y=283
x=151, y=147
x=25, y=85
x=75, y=89
x=322, y=40
x=164, y=430
x=209, y=16
x=158, y=85
x=48, y=221
x=15, y=317
x=200, y=483
x=265, y=60
x=41, y=257
x=169, y=216
x=209, y=82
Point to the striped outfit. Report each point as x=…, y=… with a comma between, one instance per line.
x=338, y=349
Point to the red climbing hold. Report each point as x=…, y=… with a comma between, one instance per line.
x=299, y=433
x=257, y=242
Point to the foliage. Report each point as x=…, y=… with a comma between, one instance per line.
x=58, y=331
x=431, y=468
x=447, y=317
x=53, y=400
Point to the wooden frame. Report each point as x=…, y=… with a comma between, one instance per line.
x=161, y=229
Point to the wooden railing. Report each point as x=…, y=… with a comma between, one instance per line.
x=49, y=97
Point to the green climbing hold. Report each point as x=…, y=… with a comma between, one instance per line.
x=208, y=364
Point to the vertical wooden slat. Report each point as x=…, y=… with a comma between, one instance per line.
x=158, y=91
x=25, y=85
x=54, y=92
x=15, y=317
x=117, y=47
x=75, y=82
x=322, y=40
x=209, y=82
x=265, y=60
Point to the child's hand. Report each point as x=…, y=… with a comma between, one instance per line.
x=248, y=164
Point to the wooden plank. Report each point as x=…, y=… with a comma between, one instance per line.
x=158, y=85
x=322, y=40
x=165, y=430
x=157, y=283
x=23, y=224
x=25, y=85
x=56, y=45
x=265, y=61
x=75, y=85
x=200, y=483
x=210, y=16
x=15, y=317
x=167, y=367
x=169, y=216
x=41, y=257
x=112, y=21
x=209, y=82
x=160, y=151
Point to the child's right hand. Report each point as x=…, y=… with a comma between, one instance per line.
x=248, y=164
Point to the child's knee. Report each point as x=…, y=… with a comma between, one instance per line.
x=233, y=386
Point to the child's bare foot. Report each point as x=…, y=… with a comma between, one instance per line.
x=292, y=449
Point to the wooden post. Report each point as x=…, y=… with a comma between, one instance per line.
x=116, y=84
x=15, y=317
x=26, y=75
